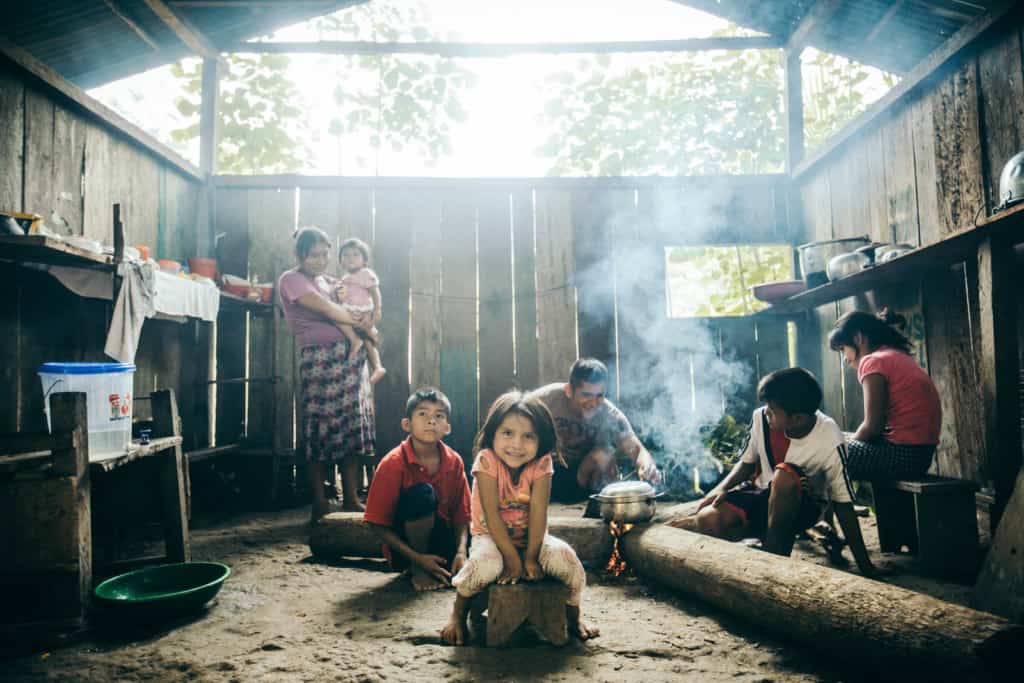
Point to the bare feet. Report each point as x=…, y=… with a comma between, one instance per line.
x=353, y=507
x=377, y=375
x=686, y=523
x=355, y=347
x=454, y=632
x=577, y=626
x=421, y=581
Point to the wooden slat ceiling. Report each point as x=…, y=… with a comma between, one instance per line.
x=91, y=42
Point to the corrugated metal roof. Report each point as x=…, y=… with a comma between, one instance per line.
x=91, y=42
x=894, y=35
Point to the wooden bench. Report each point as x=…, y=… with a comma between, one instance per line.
x=47, y=481
x=540, y=604
x=935, y=517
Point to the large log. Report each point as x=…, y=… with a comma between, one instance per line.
x=344, y=534
x=874, y=624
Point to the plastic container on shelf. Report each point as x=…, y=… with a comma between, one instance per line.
x=108, y=390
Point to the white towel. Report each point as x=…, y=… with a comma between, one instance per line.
x=134, y=304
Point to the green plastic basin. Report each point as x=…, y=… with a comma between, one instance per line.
x=162, y=590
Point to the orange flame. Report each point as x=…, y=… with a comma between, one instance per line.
x=617, y=563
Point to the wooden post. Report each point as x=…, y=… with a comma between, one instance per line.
x=794, y=109
x=172, y=477
x=209, y=143
x=874, y=624
x=998, y=371
x=68, y=414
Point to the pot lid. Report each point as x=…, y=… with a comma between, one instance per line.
x=625, y=491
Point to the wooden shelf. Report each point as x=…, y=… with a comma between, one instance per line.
x=50, y=251
x=208, y=453
x=909, y=267
x=231, y=302
x=112, y=461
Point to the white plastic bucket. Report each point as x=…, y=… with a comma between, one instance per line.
x=108, y=390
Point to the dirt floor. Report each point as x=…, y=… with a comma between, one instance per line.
x=286, y=616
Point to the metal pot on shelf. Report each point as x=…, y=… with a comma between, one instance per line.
x=891, y=251
x=842, y=265
x=629, y=502
x=815, y=257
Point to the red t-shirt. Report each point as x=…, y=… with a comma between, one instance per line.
x=915, y=411
x=400, y=469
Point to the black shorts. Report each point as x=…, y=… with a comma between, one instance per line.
x=416, y=502
x=751, y=504
x=565, y=487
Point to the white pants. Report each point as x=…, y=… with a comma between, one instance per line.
x=557, y=559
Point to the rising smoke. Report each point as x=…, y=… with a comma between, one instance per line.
x=674, y=379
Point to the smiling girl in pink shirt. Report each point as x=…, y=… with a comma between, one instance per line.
x=509, y=513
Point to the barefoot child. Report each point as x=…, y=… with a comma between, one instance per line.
x=360, y=293
x=419, y=499
x=513, y=470
x=793, y=462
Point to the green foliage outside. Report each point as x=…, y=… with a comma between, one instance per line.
x=724, y=440
x=262, y=130
x=715, y=280
x=686, y=114
x=393, y=101
x=407, y=100
x=697, y=113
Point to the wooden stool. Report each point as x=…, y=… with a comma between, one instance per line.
x=933, y=516
x=540, y=604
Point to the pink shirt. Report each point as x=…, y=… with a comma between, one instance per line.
x=513, y=498
x=915, y=412
x=310, y=328
x=358, y=286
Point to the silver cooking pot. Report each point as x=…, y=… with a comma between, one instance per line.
x=814, y=257
x=628, y=502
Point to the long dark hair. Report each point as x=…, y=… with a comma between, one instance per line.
x=881, y=329
x=534, y=410
x=307, y=238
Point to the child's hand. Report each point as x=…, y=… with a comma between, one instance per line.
x=434, y=566
x=532, y=570
x=376, y=316
x=512, y=571
x=711, y=499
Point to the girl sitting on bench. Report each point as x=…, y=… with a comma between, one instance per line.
x=902, y=412
x=509, y=513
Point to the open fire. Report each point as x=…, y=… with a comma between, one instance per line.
x=617, y=563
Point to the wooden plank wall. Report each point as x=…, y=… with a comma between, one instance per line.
x=922, y=171
x=489, y=287
x=58, y=159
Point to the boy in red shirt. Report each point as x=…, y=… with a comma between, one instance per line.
x=419, y=499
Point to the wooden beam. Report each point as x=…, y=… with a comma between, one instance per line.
x=919, y=77
x=884, y=21
x=131, y=24
x=106, y=116
x=290, y=180
x=209, y=120
x=817, y=16
x=794, y=109
x=445, y=49
x=998, y=367
x=185, y=31
x=257, y=4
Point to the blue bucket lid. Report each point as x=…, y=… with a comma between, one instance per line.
x=85, y=368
